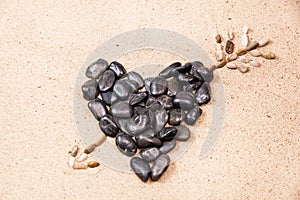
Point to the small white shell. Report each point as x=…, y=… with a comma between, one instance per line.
x=74, y=151
x=244, y=40
x=255, y=53
x=263, y=42
x=71, y=161
x=254, y=63
x=243, y=69
x=218, y=47
x=231, y=66
x=101, y=140
x=219, y=52
x=82, y=157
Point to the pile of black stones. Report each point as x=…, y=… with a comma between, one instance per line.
x=145, y=115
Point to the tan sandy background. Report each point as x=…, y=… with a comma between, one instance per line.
x=43, y=45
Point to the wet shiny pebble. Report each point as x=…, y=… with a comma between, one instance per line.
x=184, y=100
x=96, y=69
x=141, y=168
x=117, y=68
x=158, y=86
x=150, y=154
x=108, y=126
x=159, y=166
x=176, y=116
x=167, y=134
x=90, y=89
x=167, y=146
x=126, y=144
x=106, y=80
x=202, y=94
x=121, y=109
x=98, y=108
x=193, y=115
x=183, y=133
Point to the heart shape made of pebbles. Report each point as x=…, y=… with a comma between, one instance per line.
x=145, y=115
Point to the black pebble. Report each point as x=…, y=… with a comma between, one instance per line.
x=90, y=89
x=193, y=115
x=98, y=108
x=170, y=70
x=108, y=126
x=176, y=116
x=184, y=100
x=150, y=154
x=199, y=71
x=106, y=80
x=137, y=98
x=107, y=97
x=159, y=166
x=136, y=77
x=117, y=68
x=161, y=118
x=121, y=109
x=144, y=141
x=167, y=133
x=158, y=86
x=174, y=86
x=126, y=144
x=167, y=146
x=141, y=168
x=96, y=69
x=165, y=101
x=183, y=133
x=134, y=86
x=122, y=90
x=202, y=94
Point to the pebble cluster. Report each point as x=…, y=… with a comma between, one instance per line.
x=226, y=56
x=145, y=115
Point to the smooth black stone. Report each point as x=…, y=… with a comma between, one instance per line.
x=98, y=108
x=144, y=141
x=106, y=80
x=147, y=84
x=126, y=144
x=122, y=90
x=161, y=118
x=202, y=95
x=165, y=101
x=167, y=134
x=183, y=133
x=184, y=100
x=151, y=101
x=150, y=154
x=97, y=68
x=141, y=168
x=107, y=97
x=187, y=78
x=117, y=68
x=149, y=133
x=170, y=70
x=137, y=98
x=134, y=76
x=167, y=146
x=121, y=109
x=200, y=71
x=176, y=116
x=174, y=86
x=134, y=86
x=90, y=89
x=159, y=166
x=158, y=86
x=108, y=126
x=193, y=115
x=196, y=65
x=184, y=68
x=142, y=116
